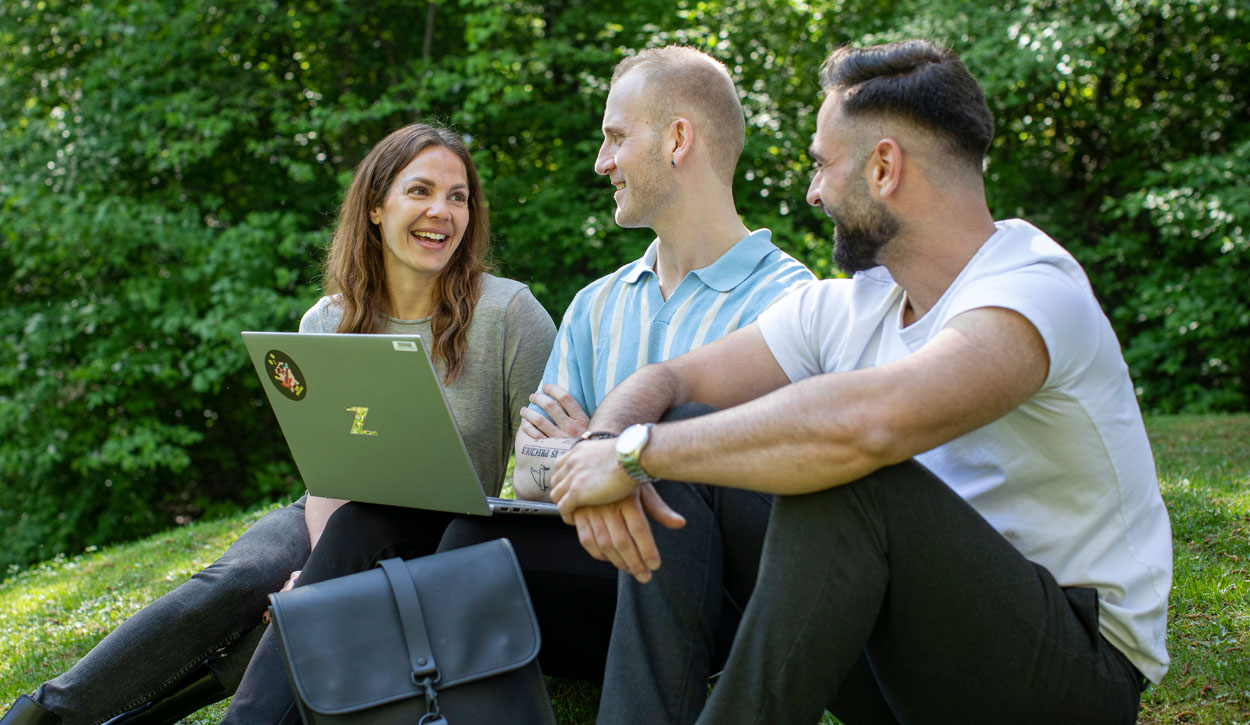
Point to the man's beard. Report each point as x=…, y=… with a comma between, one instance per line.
x=855, y=250
x=857, y=244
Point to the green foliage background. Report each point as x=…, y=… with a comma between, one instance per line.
x=169, y=171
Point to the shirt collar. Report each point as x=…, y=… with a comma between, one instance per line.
x=726, y=273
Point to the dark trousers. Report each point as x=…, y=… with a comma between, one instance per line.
x=891, y=600
x=573, y=595
x=356, y=538
x=671, y=634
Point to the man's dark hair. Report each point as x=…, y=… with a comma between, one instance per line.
x=916, y=81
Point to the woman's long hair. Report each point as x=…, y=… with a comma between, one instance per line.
x=353, y=266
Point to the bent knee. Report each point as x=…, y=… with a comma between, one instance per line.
x=239, y=579
x=465, y=532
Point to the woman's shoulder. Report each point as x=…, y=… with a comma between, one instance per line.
x=498, y=293
x=500, y=287
x=507, y=302
x=324, y=316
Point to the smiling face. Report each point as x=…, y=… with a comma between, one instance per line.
x=423, y=217
x=632, y=155
x=863, y=226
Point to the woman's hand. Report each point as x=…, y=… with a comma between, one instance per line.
x=288, y=586
x=290, y=582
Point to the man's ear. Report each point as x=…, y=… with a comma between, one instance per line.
x=681, y=138
x=885, y=167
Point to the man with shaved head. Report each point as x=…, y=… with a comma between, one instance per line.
x=673, y=130
x=683, y=82
x=967, y=524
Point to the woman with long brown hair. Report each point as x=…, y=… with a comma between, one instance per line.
x=408, y=256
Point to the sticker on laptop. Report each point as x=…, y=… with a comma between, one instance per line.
x=358, y=423
x=285, y=375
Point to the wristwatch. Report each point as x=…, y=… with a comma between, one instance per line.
x=629, y=446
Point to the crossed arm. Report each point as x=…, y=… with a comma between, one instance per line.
x=783, y=438
x=541, y=440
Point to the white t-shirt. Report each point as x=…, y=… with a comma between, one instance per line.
x=1068, y=477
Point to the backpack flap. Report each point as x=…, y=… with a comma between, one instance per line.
x=345, y=643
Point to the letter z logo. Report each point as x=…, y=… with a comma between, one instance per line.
x=358, y=423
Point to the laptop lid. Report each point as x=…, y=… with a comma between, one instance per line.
x=366, y=419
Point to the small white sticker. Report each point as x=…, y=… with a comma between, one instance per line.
x=404, y=345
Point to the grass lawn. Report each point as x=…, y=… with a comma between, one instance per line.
x=52, y=613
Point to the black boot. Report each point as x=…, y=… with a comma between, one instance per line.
x=197, y=690
x=27, y=711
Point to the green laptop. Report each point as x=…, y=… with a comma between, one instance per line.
x=366, y=419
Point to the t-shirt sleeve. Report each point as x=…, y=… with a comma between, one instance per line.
x=528, y=337
x=788, y=326
x=1060, y=308
x=314, y=319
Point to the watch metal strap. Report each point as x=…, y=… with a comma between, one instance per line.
x=633, y=464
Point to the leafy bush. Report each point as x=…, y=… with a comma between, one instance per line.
x=1118, y=126
x=1186, y=315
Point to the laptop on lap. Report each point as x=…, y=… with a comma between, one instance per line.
x=366, y=419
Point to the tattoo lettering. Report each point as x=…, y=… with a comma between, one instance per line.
x=540, y=452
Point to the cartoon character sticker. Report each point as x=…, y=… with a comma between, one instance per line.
x=285, y=375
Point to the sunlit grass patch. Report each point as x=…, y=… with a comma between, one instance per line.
x=54, y=612
x=1204, y=474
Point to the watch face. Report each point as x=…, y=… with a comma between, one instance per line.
x=630, y=439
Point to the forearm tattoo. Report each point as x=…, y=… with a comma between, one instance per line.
x=539, y=475
x=540, y=472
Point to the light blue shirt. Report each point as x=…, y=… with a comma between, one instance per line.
x=621, y=322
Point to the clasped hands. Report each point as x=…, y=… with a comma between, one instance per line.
x=595, y=494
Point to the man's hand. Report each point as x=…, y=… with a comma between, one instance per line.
x=588, y=475
x=610, y=510
x=567, y=419
x=618, y=532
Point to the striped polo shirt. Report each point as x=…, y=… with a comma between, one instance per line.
x=621, y=322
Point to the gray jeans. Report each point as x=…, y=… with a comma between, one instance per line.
x=891, y=600
x=213, y=615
